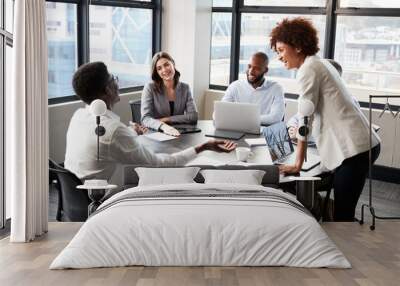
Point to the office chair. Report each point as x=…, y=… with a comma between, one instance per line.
x=135, y=109
x=72, y=203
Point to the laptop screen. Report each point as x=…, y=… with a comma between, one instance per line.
x=278, y=140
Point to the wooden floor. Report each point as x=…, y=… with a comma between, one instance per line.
x=375, y=257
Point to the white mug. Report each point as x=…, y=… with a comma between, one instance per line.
x=243, y=153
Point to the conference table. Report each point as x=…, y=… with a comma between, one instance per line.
x=261, y=155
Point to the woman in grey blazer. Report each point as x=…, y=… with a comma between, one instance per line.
x=166, y=100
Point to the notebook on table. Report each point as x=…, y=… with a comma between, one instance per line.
x=225, y=134
x=185, y=128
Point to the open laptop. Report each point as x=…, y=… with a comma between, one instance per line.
x=235, y=117
x=281, y=147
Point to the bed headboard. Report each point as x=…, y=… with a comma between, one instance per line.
x=270, y=179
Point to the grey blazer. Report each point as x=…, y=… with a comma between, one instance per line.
x=155, y=105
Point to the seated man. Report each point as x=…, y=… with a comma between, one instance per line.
x=257, y=89
x=118, y=145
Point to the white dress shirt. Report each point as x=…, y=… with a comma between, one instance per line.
x=117, y=145
x=269, y=96
x=338, y=125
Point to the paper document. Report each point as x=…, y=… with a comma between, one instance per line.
x=202, y=160
x=255, y=141
x=158, y=136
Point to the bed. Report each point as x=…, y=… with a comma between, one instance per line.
x=201, y=224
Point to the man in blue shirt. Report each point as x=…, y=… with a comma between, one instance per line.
x=257, y=89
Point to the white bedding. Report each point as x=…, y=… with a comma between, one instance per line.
x=224, y=231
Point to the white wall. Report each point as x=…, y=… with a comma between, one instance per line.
x=186, y=35
x=60, y=115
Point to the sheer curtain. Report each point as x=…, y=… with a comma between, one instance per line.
x=27, y=124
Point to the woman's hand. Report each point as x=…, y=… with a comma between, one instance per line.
x=217, y=146
x=169, y=130
x=289, y=169
x=139, y=129
x=300, y=154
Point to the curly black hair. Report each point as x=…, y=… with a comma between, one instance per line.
x=298, y=32
x=90, y=81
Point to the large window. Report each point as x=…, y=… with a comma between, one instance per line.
x=121, y=37
x=363, y=36
x=254, y=37
x=309, y=3
x=62, y=47
x=368, y=49
x=122, y=34
x=370, y=3
x=220, y=48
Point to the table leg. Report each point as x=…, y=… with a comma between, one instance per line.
x=96, y=196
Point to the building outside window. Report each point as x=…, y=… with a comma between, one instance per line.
x=82, y=31
x=363, y=36
x=122, y=38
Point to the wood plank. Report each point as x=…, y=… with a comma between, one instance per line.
x=375, y=257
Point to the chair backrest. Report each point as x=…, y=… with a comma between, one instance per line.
x=74, y=202
x=135, y=109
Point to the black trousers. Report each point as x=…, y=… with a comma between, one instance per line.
x=348, y=183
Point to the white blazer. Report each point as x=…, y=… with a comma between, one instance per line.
x=338, y=125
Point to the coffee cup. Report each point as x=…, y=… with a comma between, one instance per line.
x=243, y=153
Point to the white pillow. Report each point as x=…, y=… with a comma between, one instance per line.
x=166, y=176
x=248, y=177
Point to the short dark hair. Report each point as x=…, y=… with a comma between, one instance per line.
x=154, y=74
x=90, y=81
x=298, y=32
x=262, y=56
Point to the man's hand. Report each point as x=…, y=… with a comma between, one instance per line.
x=217, y=146
x=289, y=169
x=292, y=132
x=169, y=130
x=139, y=129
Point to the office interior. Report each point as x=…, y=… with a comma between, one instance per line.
x=211, y=42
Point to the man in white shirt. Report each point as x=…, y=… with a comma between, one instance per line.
x=257, y=89
x=118, y=145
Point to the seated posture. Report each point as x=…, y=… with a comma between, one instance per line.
x=119, y=143
x=166, y=100
x=257, y=89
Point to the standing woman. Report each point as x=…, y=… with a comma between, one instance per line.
x=339, y=127
x=166, y=100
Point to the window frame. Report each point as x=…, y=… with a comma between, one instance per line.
x=83, y=33
x=332, y=10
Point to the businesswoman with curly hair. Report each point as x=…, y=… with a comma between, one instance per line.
x=339, y=127
x=166, y=100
